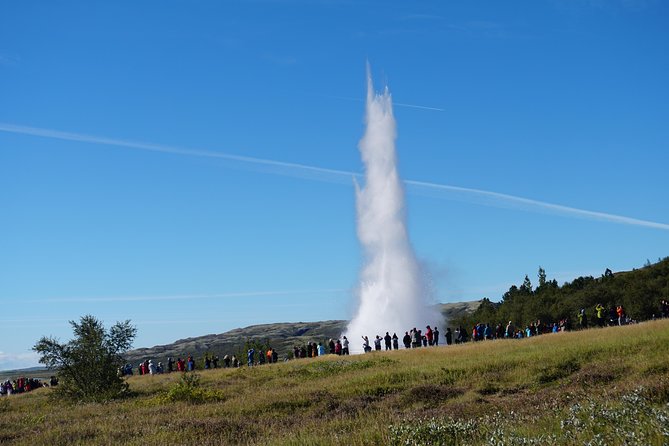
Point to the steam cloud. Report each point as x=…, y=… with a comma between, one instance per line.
x=392, y=293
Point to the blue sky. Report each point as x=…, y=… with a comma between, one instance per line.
x=189, y=165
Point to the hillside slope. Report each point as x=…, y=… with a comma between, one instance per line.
x=599, y=386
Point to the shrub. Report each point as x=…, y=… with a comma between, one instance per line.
x=189, y=389
x=88, y=364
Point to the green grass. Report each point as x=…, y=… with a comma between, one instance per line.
x=603, y=386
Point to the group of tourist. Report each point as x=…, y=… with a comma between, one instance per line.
x=148, y=367
x=614, y=316
x=314, y=349
x=482, y=332
x=413, y=338
x=270, y=356
x=22, y=384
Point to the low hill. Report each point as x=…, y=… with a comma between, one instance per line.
x=281, y=336
x=599, y=386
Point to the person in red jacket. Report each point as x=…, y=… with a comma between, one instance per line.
x=621, y=313
x=429, y=335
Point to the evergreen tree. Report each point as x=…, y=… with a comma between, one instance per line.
x=542, y=277
x=526, y=287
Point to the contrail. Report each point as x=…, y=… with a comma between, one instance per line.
x=79, y=137
x=477, y=196
x=188, y=296
x=422, y=107
x=529, y=204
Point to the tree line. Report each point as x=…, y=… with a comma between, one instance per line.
x=639, y=291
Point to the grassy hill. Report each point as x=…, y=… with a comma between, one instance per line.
x=605, y=386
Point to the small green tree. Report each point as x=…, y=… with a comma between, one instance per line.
x=88, y=364
x=542, y=277
x=526, y=287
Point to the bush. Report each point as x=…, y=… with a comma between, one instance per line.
x=87, y=365
x=189, y=389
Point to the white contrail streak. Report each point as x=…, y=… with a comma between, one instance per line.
x=79, y=137
x=188, y=296
x=529, y=204
x=422, y=107
x=482, y=197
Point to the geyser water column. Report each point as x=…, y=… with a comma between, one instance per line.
x=392, y=293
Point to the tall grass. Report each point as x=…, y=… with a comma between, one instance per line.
x=534, y=391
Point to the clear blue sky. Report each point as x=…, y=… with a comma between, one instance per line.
x=561, y=102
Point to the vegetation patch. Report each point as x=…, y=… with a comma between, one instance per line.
x=489, y=390
x=598, y=374
x=324, y=369
x=430, y=394
x=558, y=370
x=451, y=376
x=215, y=428
x=382, y=391
x=4, y=405
x=658, y=368
x=287, y=407
x=657, y=390
x=631, y=421
x=445, y=432
x=189, y=389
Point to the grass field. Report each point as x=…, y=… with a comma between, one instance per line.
x=603, y=386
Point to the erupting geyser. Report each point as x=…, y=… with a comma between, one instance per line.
x=392, y=292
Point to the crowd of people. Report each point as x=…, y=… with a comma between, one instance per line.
x=148, y=367
x=314, y=349
x=602, y=316
x=22, y=384
x=414, y=338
